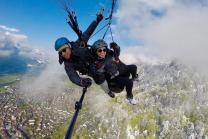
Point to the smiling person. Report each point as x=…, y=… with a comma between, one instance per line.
x=76, y=57
x=106, y=69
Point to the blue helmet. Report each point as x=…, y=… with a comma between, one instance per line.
x=60, y=42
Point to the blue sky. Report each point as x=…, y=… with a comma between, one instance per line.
x=42, y=21
x=169, y=28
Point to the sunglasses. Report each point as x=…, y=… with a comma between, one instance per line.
x=62, y=51
x=101, y=50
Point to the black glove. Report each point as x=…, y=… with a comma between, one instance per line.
x=86, y=82
x=113, y=45
x=99, y=17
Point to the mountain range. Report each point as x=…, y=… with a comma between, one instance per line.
x=15, y=58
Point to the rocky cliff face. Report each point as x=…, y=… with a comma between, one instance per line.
x=172, y=104
x=172, y=97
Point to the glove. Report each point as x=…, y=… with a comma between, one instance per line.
x=114, y=75
x=86, y=82
x=113, y=45
x=99, y=17
x=116, y=61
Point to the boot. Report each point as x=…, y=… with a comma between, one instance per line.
x=132, y=101
x=135, y=77
x=111, y=94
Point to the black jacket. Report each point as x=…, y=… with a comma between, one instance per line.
x=81, y=56
x=102, y=69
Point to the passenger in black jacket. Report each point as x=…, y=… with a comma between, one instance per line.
x=76, y=56
x=108, y=70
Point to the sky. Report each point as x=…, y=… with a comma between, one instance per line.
x=178, y=30
x=145, y=29
x=43, y=21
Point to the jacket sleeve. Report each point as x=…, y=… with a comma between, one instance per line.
x=72, y=74
x=115, y=52
x=87, y=34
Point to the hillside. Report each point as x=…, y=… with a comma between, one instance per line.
x=172, y=104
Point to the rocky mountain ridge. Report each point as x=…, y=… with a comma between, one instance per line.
x=172, y=104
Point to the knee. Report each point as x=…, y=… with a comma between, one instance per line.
x=130, y=82
x=99, y=80
x=134, y=67
x=127, y=82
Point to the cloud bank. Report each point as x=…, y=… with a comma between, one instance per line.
x=12, y=42
x=3, y=27
x=15, y=53
x=50, y=80
x=167, y=28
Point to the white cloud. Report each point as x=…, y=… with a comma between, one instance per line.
x=138, y=55
x=5, y=28
x=10, y=39
x=11, y=34
x=5, y=53
x=14, y=43
x=16, y=38
x=49, y=81
x=180, y=32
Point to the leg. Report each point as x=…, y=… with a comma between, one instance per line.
x=99, y=79
x=124, y=82
x=114, y=87
x=133, y=70
x=126, y=70
x=123, y=70
x=105, y=87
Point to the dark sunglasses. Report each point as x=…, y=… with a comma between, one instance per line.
x=64, y=50
x=101, y=50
